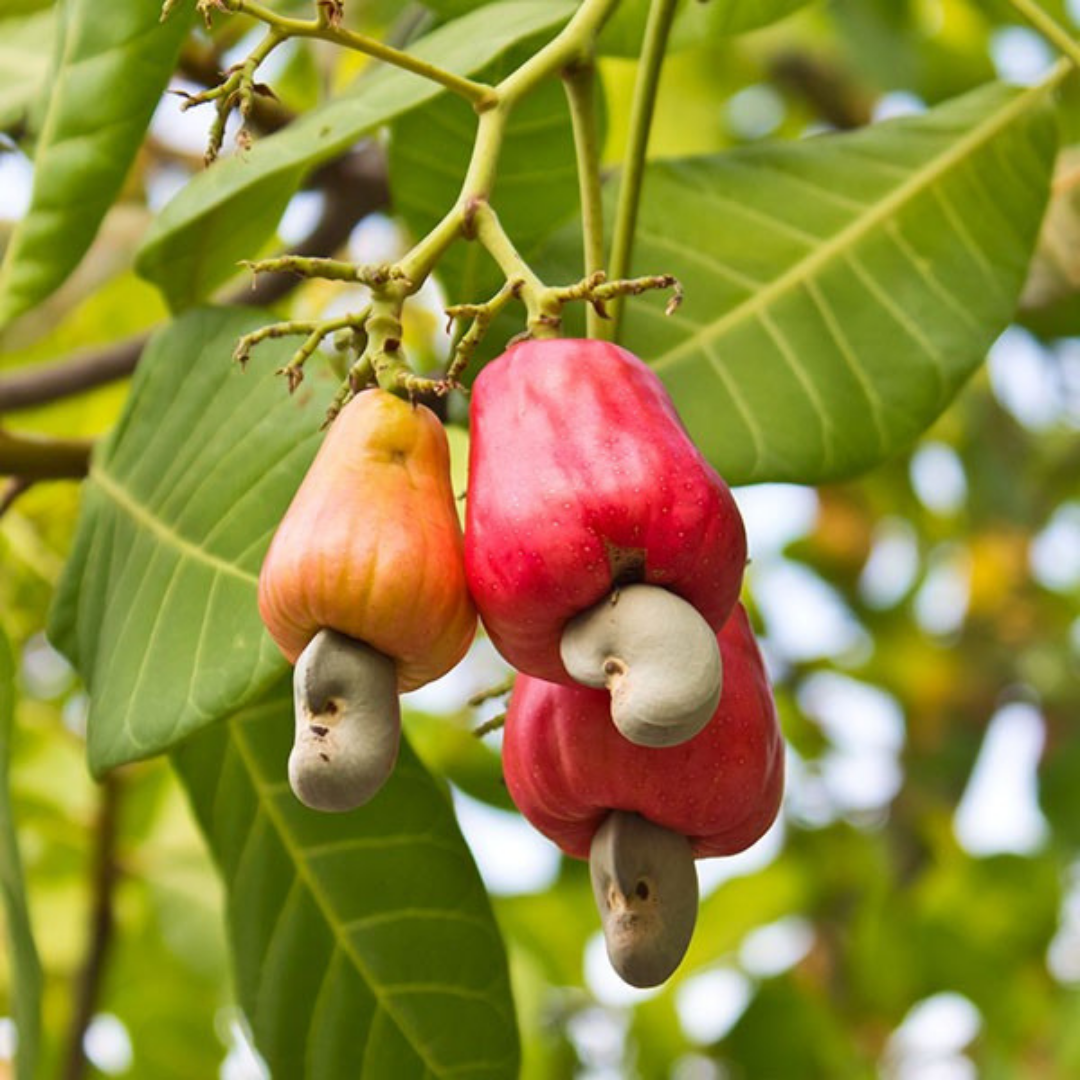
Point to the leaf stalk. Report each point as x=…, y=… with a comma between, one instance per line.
x=654, y=46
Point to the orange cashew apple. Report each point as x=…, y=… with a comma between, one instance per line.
x=363, y=588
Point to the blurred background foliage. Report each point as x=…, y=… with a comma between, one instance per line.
x=916, y=912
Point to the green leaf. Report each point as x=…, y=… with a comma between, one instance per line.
x=447, y=746
x=537, y=183
x=226, y=213
x=840, y=290
x=25, y=966
x=110, y=75
x=23, y=63
x=364, y=942
x=22, y=7
x=454, y=7
x=738, y=16
x=157, y=606
x=622, y=34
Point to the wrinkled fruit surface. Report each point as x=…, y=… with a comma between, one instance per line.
x=567, y=766
x=371, y=545
x=582, y=478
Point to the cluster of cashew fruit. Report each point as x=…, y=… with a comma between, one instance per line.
x=605, y=558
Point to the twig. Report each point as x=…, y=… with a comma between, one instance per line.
x=488, y=726
x=52, y=382
x=490, y=693
x=328, y=28
x=106, y=873
x=34, y=457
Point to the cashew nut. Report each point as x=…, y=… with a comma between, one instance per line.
x=645, y=886
x=348, y=722
x=657, y=656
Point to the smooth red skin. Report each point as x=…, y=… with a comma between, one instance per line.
x=578, y=458
x=567, y=765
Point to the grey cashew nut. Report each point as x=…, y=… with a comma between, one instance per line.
x=646, y=889
x=348, y=722
x=657, y=656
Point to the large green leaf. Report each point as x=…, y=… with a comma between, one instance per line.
x=23, y=63
x=157, y=604
x=109, y=77
x=226, y=213
x=537, y=183
x=25, y=967
x=364, y=942
x=840, y=289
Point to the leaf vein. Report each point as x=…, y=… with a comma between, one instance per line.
x=163, y=532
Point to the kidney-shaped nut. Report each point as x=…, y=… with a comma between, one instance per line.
x=656, y=655
x=348, y=722
x=646, y=890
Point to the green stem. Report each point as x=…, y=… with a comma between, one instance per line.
x=420, y=261
x=539, y=303
x=572, y=44
x=1049, y=28
x=580, y=83
x=480, y=176
x=661, y=14
x=478, y=94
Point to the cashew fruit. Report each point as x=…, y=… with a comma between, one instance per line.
x=371, y=546
x=582, y=479
x=567, y=767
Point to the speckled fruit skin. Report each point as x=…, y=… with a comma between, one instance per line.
x=566, y=764
x=582, y=477
x=371, y=545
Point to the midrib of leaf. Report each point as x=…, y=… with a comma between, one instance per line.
x=838, y=245
x=168, y=536
x=303, y=872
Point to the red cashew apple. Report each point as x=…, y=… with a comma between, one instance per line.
x=640, y=815
x=363, y=588
x=582, y=480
